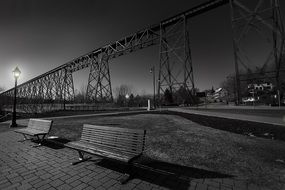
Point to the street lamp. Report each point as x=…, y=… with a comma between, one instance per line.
x=152, y=70
x=16, y=73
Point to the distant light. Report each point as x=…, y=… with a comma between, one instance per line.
x=16, y=72
x=151, y=69
x=127, y=96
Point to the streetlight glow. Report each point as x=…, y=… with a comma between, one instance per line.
x=16, y=72
x=127, y=96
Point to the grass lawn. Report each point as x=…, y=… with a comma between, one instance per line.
x=173, y=139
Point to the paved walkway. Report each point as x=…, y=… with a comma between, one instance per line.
x=48, y=167
x=260, y=119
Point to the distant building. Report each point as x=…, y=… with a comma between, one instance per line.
x=261, y=87
x=218, y=95
x=260, y=93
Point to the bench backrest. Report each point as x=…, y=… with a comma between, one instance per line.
x=40, y=124
x=121, y=140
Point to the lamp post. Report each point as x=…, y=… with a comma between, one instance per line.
x=152, y=70
x=16, y=73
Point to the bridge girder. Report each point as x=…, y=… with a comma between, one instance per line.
x=175, y=70
x=55, y=88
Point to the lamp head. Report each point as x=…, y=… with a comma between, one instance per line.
x=16, y=72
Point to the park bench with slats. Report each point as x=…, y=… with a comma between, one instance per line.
x=116, y=143
x=36, y=127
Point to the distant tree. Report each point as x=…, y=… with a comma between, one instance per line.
x=80, y=95
x=229, y=85
x=182, y=96
x=121, y=92
x=131, y=102
x=168, y=99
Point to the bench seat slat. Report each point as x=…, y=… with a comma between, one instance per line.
x=113, y=132
x=112, y=135
x=40, y=124
x=127, y=140
x=125, y=150
x=118, y=135
x=118, y=144
x=123, y=141
x=97, y=151
x=104, y=148
x=29, y=131
x=113, y=128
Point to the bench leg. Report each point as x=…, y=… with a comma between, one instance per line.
x=81, y=158
x=40, y=141
x=127, y=176
x=25, y=138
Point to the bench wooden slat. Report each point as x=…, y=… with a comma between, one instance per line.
x=106, y=133
x=126, y=140
x=32, y=132
x=136, y=147
x=105, y=148
x=101, y=152
x=114, y=134
x=115, y=139
x=112, y=142
x=124, y=150
x=40, y=124
x=113, y=128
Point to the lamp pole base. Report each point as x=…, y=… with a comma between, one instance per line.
x=12, y=125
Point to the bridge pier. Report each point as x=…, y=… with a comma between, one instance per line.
x=175, y=63
x=99, y=83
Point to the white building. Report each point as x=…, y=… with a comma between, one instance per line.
x=262, y=87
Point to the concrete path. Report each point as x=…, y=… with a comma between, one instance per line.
x=260, y=119
x=48, y=167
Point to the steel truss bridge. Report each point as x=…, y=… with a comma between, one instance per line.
x=175, y=68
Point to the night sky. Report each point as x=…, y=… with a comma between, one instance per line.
x=39, y=35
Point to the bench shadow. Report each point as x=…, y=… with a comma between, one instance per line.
x=57, y=143
x=161, y=173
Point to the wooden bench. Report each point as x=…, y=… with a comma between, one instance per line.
x=120, y=144
x=36, y=127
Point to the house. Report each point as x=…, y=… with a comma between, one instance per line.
x=218, y=95
x=261, y=87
